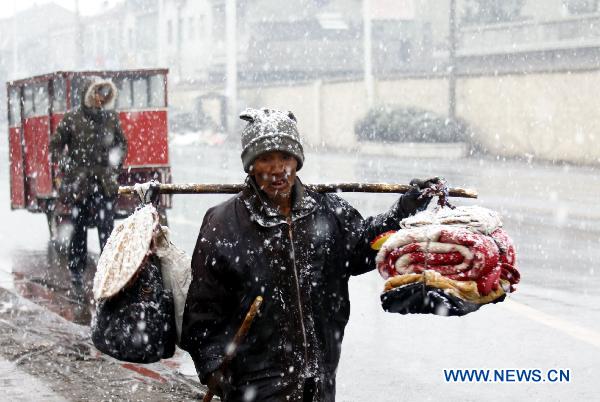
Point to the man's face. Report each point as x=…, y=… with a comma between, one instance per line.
x=100, y=96
x=275, y=173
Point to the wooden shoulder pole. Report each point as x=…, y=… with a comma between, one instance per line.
x=195, y=188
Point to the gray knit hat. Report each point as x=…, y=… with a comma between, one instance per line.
x=270, y=130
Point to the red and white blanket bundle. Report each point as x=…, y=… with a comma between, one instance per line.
x=464, y=251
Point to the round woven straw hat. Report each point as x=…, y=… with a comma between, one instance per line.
x=125, y=251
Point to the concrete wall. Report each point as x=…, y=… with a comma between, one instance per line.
x=549, y=116
x=429, y=93
x=327, y=112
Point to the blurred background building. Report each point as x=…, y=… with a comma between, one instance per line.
x=305, y=44
x=298, y=39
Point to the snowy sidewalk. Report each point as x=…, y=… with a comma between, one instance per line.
x=19, y=386
x=45, y=357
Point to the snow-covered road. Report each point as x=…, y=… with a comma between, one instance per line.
x=552, y=322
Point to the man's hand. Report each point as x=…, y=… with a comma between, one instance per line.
x=422, y=184
x=416, y=199
x=215, y=381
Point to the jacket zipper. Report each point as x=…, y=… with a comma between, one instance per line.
x=304, y=337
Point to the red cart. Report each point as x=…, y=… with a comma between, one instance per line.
x=37, y=104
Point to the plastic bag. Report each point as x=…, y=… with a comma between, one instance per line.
x=137, y=324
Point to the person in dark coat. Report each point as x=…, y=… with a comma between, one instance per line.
x=89, y=146
x=294, y=247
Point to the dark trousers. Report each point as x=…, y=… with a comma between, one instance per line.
x=271, y=390
x=96, y=209
x=310, y=390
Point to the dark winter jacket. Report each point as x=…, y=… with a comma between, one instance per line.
x=96, y=147
x=301, y=268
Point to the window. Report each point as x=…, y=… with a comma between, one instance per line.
x=28, y=110
x=180, y=30
x=157, y=91
x=124, y=97
x=36, y=99
x=576, y=7
x=169, y=32
x=140, y=93
x=14, y=107
x=191, y=28
x=76, y=84
x=201, y=26
x=218, y=23
x=59, y=100
x=41, y=100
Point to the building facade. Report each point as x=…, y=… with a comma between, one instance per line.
x=299, y=40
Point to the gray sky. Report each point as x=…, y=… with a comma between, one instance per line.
x=7, y=7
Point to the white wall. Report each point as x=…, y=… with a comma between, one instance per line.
x=550, y=116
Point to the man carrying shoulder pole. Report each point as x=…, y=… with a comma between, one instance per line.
x=295, y=247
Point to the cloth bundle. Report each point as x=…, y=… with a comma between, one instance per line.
x=476, y=219
x=460, y=258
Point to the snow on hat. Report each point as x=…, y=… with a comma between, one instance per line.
x=270, y=130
